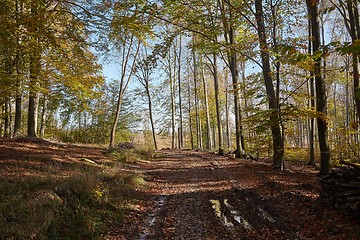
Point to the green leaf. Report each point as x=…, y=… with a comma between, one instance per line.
x=352, y=48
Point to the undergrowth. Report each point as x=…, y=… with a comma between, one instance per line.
x=83, y=205
x=132, y=155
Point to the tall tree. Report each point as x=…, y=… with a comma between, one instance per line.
x=207, y=112
x=349, y=9
x=311, y=102
x=312, y=6
x=196, y=97
x=230, y=36
x=35, y=66
x=178, y=57
x=143, y=74
x=129, y=53
x=278, y=144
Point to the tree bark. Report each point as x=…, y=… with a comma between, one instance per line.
x=18, y=97
x=311, y=103
x=355, y=35
x=190, y=121
x=33, y=95
x=6, y=114
x=181, y=135
x=151, y=117
x=206, y=102
x=18, y=114
x=43, y=115
x=172, y=93
x=198, y=137
x=320, y=90
x=217, y=105
x=235, y=81
x=278, y=144
x=35, y=67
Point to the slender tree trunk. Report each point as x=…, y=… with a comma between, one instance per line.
x=228, y=134
x=181, y=135
x=277, y=68
x=43, y=115
x=172, y=93
x=235, y=81
x=17, y=121
x=18, y=97
x=312, y=104
x=116, y=119
x=6, y=112
x=143, y=75
x=151, y=117
x=217, y=105
x=278, y=144
x=355, y=66
x=229, y=36
x=208, y=126
x=320, y=90
x=198, y=140
x=242, y=139
x=123, y=83
x=347, y=113
x=354, y=30
x=190, y=121
x=200, y=134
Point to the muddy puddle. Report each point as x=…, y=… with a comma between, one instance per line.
x=230, y=217
x=228, y=220
x=152, y=218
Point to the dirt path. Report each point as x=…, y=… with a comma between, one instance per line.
x=197, y=195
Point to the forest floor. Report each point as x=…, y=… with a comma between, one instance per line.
x=199, y=195
x=187, y=195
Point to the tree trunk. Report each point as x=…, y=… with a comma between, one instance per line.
x=228, y=137
x=198, y=140
x=123, y=83
x=235, y=81
x=312, y=104
x=190, y=121
x=278, y=144
x=43, y=115
x=229, y=36
x=320, y=90
x=208, y=126
x=18, y=97
x=181, y=135
x=354, y=30
x=347, y=98
x=116, y=119
x=151, y=117
x=6, y=114
x=172, y=93
x=17, y=121
x=33, y=95
x=217, y=105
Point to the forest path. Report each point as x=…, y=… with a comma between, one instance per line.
x=199, y=195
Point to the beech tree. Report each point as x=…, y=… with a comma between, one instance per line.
x=144, y=70
x=278, y=144
x=312, y=6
